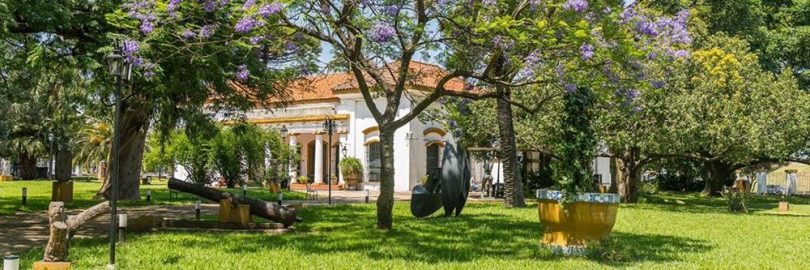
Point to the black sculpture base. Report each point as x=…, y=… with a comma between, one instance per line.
x=446, y=187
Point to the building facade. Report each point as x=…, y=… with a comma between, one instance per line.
x=418, y=145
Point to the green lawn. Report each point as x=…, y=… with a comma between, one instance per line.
x=39, y=195
x=667, y=231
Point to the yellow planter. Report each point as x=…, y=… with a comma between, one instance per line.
x=51, y=265
x=6, y=178
x=589, y=218
x=234, y=213
x=62, y=191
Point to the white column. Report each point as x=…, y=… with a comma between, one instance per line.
x=293, y=167
x=791, y=182
x=762, y=182
x=318, y=159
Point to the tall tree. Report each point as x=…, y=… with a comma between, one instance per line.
x=734, y=113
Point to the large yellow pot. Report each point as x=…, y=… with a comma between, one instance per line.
x=6, y=178
x=589, y=218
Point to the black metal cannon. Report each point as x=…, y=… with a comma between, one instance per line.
x=447, y=186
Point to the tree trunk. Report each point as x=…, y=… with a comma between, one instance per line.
x=385, y=202
x=64, y=164
x=629, y=181
x=271, y=211
x=63, y=228
x=27, y=166
x=719, y=175
x=134, y=124
x=614, y=175
x=513, y=191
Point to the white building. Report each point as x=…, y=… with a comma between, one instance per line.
x=417, y=145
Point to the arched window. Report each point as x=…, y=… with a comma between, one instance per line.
x=432, y=157
x=374, y=160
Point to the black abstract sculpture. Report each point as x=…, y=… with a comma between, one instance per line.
x=446, y=187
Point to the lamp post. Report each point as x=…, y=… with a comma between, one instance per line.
x=284, y=131
x=118, y=68
x=329, y=126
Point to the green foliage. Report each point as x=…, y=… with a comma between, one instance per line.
x=691, y=234
x=578, y=146
x=302, y=179
x=350, y=166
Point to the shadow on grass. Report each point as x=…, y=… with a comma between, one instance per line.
x=477, y=234
x=695, y=203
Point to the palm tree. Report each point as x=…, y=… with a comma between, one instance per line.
x=94, y=142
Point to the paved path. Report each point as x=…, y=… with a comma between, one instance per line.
x=23, y=231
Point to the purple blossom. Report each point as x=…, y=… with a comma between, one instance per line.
x=631, y=95
x=658, y=84
x=172, y=6
x=291, y=46
x=246, y=24
x=503, y=43
x=682, y=53
x=130, y=47
x=647, y=28
x=209, y=6
x=382, y=32
x=207, y=31
x=273, y=8
x=586, y=50
x=242, y=73
x=534, y=4
x=391, y=10
x=249, y=4
x=188, y=34
x=146, y=27
x=149, y=70
x=256, y=40
x=577, y=6
x=489, y=3
x=570, y=87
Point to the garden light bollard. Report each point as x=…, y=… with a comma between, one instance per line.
x=197, y=209
x=148, y=196
x=366, y=195
x=11, y=262
x=24, y=195
x=122, y=226
x=280, y=197
x=244, y=190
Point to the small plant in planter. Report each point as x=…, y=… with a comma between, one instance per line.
x=352, y=170
x=303, y=179
x=571, y=217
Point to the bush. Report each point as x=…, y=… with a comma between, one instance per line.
x=350, y=166
x=735, y=200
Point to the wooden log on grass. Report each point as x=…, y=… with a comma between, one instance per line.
x=63, y=228
x=268, y=210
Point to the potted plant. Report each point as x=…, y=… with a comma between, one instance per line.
x=575, y=216
x=352, y=170
x=303, y=179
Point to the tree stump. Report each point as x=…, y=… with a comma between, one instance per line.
x=63, y=228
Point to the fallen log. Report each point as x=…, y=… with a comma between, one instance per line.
x=63, y=228
x=271, y=211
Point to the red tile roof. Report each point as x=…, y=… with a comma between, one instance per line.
x=324, y=87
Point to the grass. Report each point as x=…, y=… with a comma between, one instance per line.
x=39, y=195
x=666, y=231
